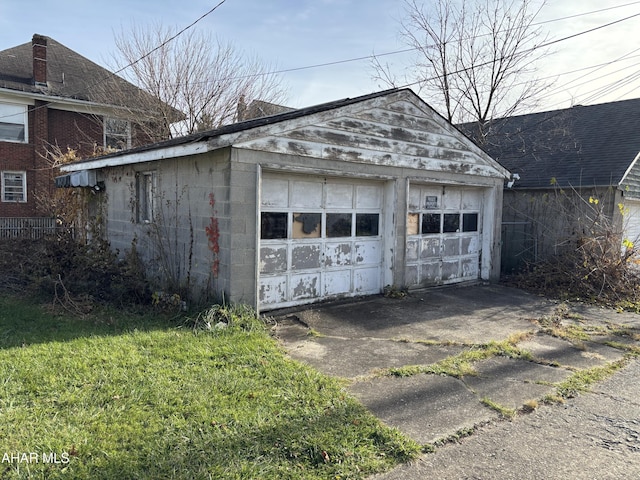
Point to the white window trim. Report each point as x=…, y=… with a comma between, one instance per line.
x=25, y=121
x=23, y=174
x=104, y=131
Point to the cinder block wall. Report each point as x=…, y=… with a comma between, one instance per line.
x=177, y=243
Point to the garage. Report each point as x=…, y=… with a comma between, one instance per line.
x=444, y=235
x=319, y=238
x=335, y=200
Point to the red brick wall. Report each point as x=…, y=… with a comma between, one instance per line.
x=75, y=130
x=17, y=157
x=49, y=128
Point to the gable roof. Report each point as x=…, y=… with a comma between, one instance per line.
x=392, y=127
x=69, y=75
x=581, y=146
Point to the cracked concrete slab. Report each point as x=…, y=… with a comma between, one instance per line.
x=513, y=382
x=366, y=356
x=556, y=350
x=425, y=407
x=359, y=338
x=465, y=315
x=595, y=435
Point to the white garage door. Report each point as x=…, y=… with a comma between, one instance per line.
x=319, y=238
x=443, y=235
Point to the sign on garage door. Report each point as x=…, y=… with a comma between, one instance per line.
x=443, y=235
x=319, y=238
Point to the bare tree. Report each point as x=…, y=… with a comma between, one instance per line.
x=195, y=76
x=475, y=59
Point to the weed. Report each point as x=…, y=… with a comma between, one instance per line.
x=461, y=365
x=632, y=350
x=392, y=291
x=459, y=435
x=505, y=412
x=90, y=272
x=221, y=316
x=582, y=380
x=314, y=333
x=591, y=259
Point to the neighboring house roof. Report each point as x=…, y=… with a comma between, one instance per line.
x=259, y=108
x=362, y=129
x=68, y=75
x=581, y=146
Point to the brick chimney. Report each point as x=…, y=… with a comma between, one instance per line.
x=39, y=45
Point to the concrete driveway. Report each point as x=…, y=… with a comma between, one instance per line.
x=364, y=341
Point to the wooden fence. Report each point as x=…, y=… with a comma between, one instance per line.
x=29, y=227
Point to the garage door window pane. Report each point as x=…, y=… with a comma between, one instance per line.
x=338, y=224
x=431, y=223
x=273, y=225
x=306, y=225
x=367, y=224
x=451, y=223
x=412, y=224
x=470, y=222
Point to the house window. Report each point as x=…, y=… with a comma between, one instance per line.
x=145, y=188
x=451, y=223
x=117, y=134
x=14, y=186
x=307, y=225
x=13, y=123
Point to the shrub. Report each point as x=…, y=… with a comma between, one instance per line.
x=599, y=266
x=92, y=271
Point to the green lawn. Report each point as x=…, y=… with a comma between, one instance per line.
x=120, y=396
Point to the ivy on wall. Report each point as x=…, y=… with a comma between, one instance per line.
x=213, y=235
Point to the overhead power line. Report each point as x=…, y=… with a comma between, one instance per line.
x=412, y=49
x=396, y=52
x=115, y=74
x=171, y=38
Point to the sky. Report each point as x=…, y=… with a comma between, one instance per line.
x=595, y=67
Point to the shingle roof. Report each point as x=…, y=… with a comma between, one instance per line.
x=245, y=125
x=69, y=75
x=580, y=146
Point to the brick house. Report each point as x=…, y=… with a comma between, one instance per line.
x=50, y=96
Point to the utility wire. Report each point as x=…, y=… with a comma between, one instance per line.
x=171, y=38
x=115, y=74
x=407, y=50
x=368, y=57
x=524, y=52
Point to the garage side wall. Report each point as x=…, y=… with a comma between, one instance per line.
x=182, y=230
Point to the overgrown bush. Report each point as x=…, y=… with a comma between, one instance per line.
x=59, y=265
x=600, y=267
